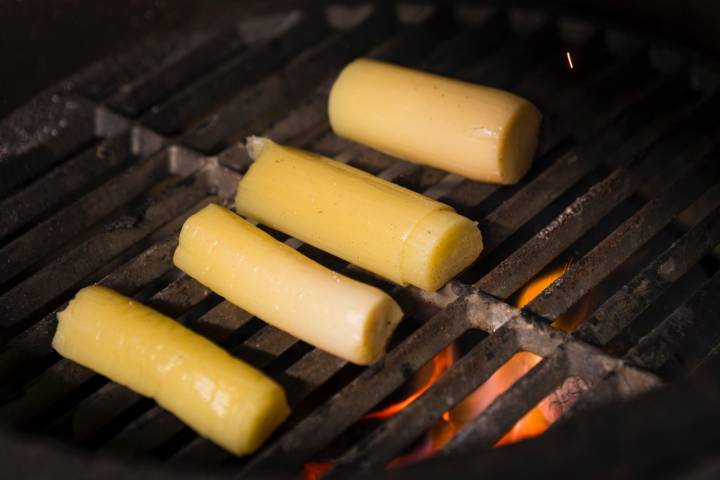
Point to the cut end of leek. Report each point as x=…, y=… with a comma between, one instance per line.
x=442, y=245
x=518, y=147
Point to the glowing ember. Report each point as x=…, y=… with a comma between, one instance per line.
x=569, y=60
x=440, y=363
x=315, y=470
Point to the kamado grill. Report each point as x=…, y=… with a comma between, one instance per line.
x=98, y=174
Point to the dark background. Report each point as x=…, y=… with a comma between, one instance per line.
x=43, y=41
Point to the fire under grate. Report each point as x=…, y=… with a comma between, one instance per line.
x=98, y=174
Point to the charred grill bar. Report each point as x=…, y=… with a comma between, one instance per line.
x=97, y=175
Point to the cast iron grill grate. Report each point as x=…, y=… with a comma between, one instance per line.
x=97, y=175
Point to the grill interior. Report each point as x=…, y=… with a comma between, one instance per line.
x=98, y=174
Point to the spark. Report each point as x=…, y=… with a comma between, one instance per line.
x=569, y=59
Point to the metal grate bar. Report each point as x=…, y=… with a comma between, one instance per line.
x=581, y=215
x=33, y=145
x=515, y=59
x=579, y=110
x=691, y=321
x=223, y=321
x=256, y=107
x=512, y=214
x=584, y=274
x=62, y=226
x=69, y=269
x=205, y=94
x=309, y=373
x=136, y=96
x=647, y=286
x=263, y=347
x=410, y=45
x=622, y=383
x=474, y=43
x=108, y=76
x=570, y=359
x=25, y=206
x=595, y=62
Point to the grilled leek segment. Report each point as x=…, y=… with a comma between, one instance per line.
x=382, y=227
x=280, y=285
x=221, y=397
x=479, y=132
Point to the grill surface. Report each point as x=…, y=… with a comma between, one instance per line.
x=97, y=175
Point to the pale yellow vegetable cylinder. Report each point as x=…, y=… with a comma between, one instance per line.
x=285, y=288
x=482, y=133
x=375, y=224
x=219, y=396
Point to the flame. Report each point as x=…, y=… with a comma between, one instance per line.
x=440, y=363
x=534, y=423
x=443, y=430
x=430, y=373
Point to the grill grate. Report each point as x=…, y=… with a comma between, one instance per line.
x=98, y=175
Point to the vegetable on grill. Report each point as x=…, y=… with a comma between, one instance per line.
x=221, y=397
x=382, y=227
x=283, y=287
x=479, y=132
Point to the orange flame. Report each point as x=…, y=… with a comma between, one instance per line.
x=444, y=429
x=534, y=423
x=440, y=363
